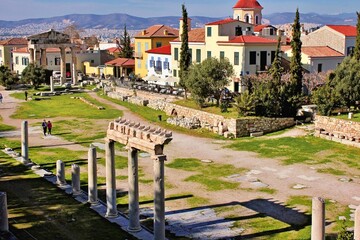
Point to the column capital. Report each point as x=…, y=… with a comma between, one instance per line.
x=159, y=157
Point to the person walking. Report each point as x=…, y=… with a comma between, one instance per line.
x=26, y=94
x=49, y=127
x=1, y=98
x=44, y=126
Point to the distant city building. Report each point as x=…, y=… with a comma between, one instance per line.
x=7, y=47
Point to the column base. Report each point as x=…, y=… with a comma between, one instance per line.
x=111, y=215
x=136, y=229
x=76, y=193
x=93, y=203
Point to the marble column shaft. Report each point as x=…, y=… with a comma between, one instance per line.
x=63, y=65
x=92, y=176
x=60, y=172
x=43, y=57
x=24, y=142
x=318, y=219
x=4, y=222
x=159, y=197
x=73, y=66
x=357, y=224
x=110, y=180
x=133, y=182
x=75, y=179
x=32, y=57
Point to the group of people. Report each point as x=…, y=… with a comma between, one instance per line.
x=47, y=126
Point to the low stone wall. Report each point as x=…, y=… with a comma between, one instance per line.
x=192, y=118
x=337, y=127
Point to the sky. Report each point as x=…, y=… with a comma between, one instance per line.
x=24, y=9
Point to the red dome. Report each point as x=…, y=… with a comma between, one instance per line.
x=248, y=4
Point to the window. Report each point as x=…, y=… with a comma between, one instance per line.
x=138, y=47
x=208, y=53
x=271, y=31
x=158, y=66
x=208, y=31
x=236, y=58
x=146, y=46
x=350, y=50
x=158, y=44
x=319, y=67
x=25, y=61
x=57, y=61
x=175, y=73
x=257, y=19
x=190, y=53
x=222, y=54
x=152, y=62
x=166, y=64
x=272, y=56
x=198, y=55
x=92, y=61
x=238, y=31
x=139, y=63
x=17, y=60
x=252, y=58
x=176, y=54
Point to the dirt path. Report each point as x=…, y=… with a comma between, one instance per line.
x=261, y=171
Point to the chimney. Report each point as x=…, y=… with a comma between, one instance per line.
x=166, y=32
x=143, y=32
x=181, y=26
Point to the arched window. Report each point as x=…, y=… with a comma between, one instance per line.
x=247, y=18
x=257, y=19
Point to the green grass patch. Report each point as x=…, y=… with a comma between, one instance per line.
x=332, y=171
x=267, y=190
x=355, y=118
x=197, y=201
x=209, y=175
x=39, y=210
x=4, y=127
x=64, y=106
x=308, y=150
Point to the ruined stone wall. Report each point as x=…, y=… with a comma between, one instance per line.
x=336, y=126
x=215, y=123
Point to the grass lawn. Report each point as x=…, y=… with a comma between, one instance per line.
x=39, y=210
x=64, y=106
x=336, y=158
x=152, y=116
x=355, y=118
x=210, y=175
x=4, y=127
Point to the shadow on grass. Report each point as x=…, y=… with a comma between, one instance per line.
x=58, y=145
x=67, y=163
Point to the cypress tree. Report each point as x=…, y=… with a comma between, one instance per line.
x=357, y=42
x=296, y=69
x=126, y=50
x=184, y=51
x=276, y=70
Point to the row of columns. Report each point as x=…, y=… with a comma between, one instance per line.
x=39, y=56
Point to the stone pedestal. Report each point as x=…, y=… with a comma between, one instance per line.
x=318, y=219
x=159, y=197
x=75, y=179
x=24, y=142
x=60, y=172
x=92, y=176
x=110, y=180
x=52, y=84
x=357, y=224
x=134, y=220
x=4, y=222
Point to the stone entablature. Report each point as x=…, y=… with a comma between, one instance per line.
x=216, y=123
x=338, y=127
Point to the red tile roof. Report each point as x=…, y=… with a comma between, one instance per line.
x=224, y=21
x=14, y=41
x=121, y=62
x=320, y=51
x=248, y=4
x=113, y=50
x=259, y=28
x=195, y=35
x=161, y=50
x=158, y=31
x=249, y=40
x=347, y=30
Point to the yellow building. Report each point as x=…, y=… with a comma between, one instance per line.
x=6, y=48
x=152, y=37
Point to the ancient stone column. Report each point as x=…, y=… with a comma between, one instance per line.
x=24, y=142
x=133, y=180
x=357, y=224
x=110, y=180
x=92, y=175
x=318, y=219
x=159, y=197
x=73, y=67
x=60, y=172
x=75, y=179
x=43, y=57
x=52, y=84
x=62, y=65
x=31, y=60
x=4, y=222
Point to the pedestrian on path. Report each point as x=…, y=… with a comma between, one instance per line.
x=26, y=94
x=1, y=98
x=49, y=127
x=44, y=126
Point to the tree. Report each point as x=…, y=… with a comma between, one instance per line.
x=126, y=49
x=296, y=69
x=209, y=78
x=357, y=42
x=6, y=77
x=185, y=58
x=73, y=31
x=34, y=75
x=245, y=103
